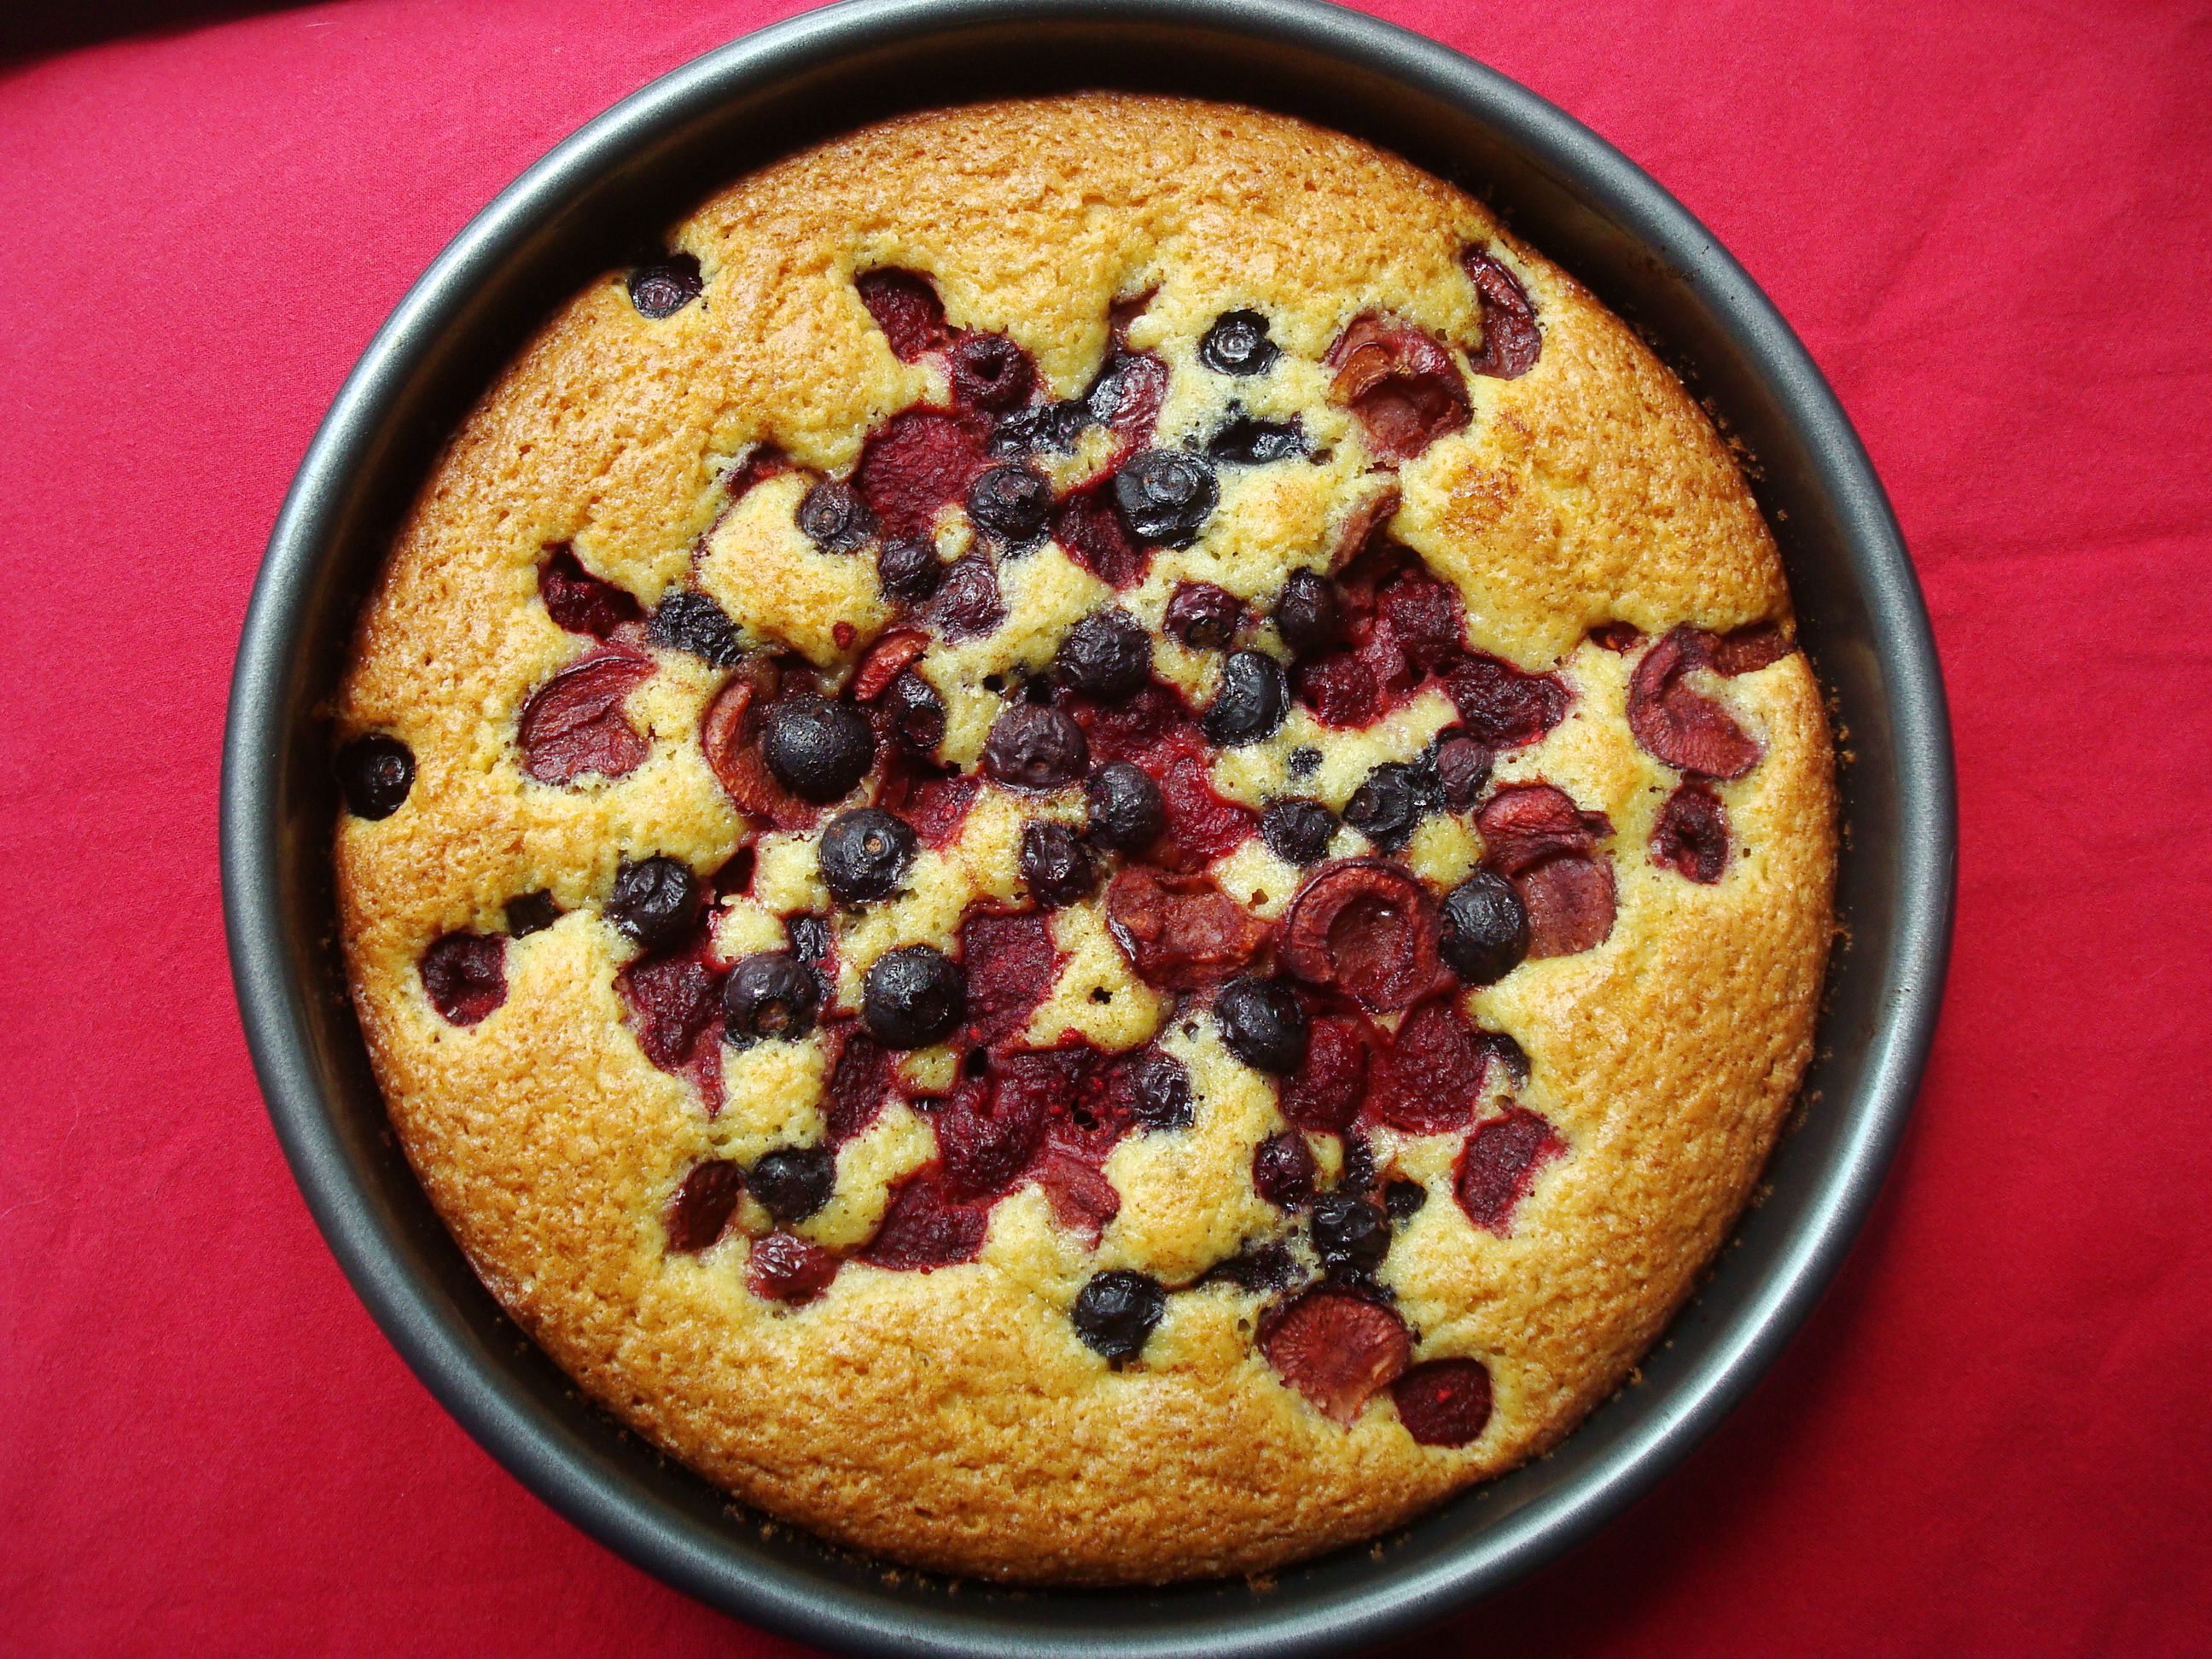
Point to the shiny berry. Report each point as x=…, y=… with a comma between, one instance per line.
x=1056, y=866
x=1283, y=1170
x=1010, y=502
x=666, y=286
x=865, y=855
x=1116, y=1311
x=1263, y=1022
x=1462, y=767
x=375, y=772
x=1203, y=616
x=817, y=749
x=687, y=620
x=1056, y=427
x=989, y=371
x=792, y=1182
x=1351, y=1233
x=915, y=711
x=1250, y=704
x=654, y=902
x=1159, y=1091
x=1237, y=344
x=531, y=913
x=1107, y=654
x=1246, y=441
x=1126, y=811
x=770, y=994
x=835, y=518
x=1296, y=830
x=913, y=996
x=1034, y=748
x=1166, y=496
x=1388, y=805
x=1486, y=929
x=1310, y=613
x=907, y=568
x=1403, y=1199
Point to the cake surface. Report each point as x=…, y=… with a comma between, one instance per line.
x=1092, y=850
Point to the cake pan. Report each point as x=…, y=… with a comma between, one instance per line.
x=607, y=191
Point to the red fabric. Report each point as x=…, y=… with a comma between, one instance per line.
x=1988, y=222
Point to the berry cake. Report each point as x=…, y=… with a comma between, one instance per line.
x=1091, y=848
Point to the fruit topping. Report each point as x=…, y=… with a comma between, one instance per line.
x=1263, y=1023
x=1511, y=342
x=1674, y=722
x=1057, y=427
x=1283, y=1170
x=770, y=994
x=1546, y=845
x=784, y=1268
x=1403, y=1199
x=666, y=286
x=531, y=913
x=1056, y=866
x=374, y=775
x=1012, y=964
x=1166, y=496
x=1251, y=702
x=1115, y=1313
x=1237, y=344
x=865, y=855
x=1366, y=928
x=579, y=601
x=1502, y=706
x=1010, y=502
x=1461, y=767
x=1037, y=748
x=1126, y=811
x=989, y=371
x=935, y=803
x=700, y=1208
x=906, y=308
x=1244, y=441
x=1365, y=523
x=890, y=656
x=1261, y=1268
x=672, y=1001
x=1324, y=1094
x=1351, y=1233
x=1180, y=932
x=907, y=569
x=1310, y=613
x=793, y=1182
x=861, y=1080
x=833, y=518
x=966, y=604
x=925, y=1227
x=1748, y=649
x=817, y=749
x=572, y=725
x=1524, y=824
x=1499, y=1164
x=1618, y=637
x=464, y=976
x=1444, y=1403
x=1692, y=835
x=1154, y=1087
x=687, y=620
x=916, y=462
x=986, y=1136
x=1428, y=1078
x=1298, y=830
x=1485, y=929
x=730, y=735
x=1127, y=394
x=1107, y=654
x=1337, y=1348
x=1403, y=384
x=913, y=996
x=1389, y=802
x=1203, y=616
x=1091, y=532
x=655, y=901
x=1571, y=903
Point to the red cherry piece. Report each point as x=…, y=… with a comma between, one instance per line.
x=935, y=804
x=1618, y=637
x=1201, y=825
x=986, y=1136
x=906, y=308
x=1428, y=1078
x=573, y=725
x=1571, y=900
x=918, y=461
x=925, y=1227
x=1363, y=523
x=1342, y=690
x=1326, y=1092
x=1092, y=534
x=464, y=976
x=1499, y=1164
x=862, y=1079
x=785, y=1267
x=1011, y=963
x=1692, y=836
x=673, y=1001
x=700, y=1208
x=1748, y=648
x=1444, y=1403
x=1403, y=384
x=1524, y=824
x=729, y=734
x=579, y=601
x=891, y=655
x=1501, y=707
x=1674, y=722
x=1180, y=932
x=1083, y=1199
x=966, y=605
x=1511, y=342
x=1426, y=618
x=1367, y=928
x=1336, y=1349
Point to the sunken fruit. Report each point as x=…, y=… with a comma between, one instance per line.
x=1057, y=868
x=1108, y=654
x=1116, y=1312
x=375, y=772
x=770, y=995
x=1485, y=929
x=654, y=902
x=1159, y=1090
x=1203, y=616
x=866, y=855
x=666, y=286
x=913, y=996
x=1126, y=811
x=1310, y=613
x=1351, y=1233
x=907, y=569
x=833, y=518
x=1250, y=704
x=1237, y=344
x=1010, y=502
x=1298, y=830
x=1032, y=747
x=1263, y=1022
x=792, y=1182
x=817, y=749
x=1166, y=496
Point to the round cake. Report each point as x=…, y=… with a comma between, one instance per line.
x=1091, y=848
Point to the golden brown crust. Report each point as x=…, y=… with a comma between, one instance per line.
x=952, y=1419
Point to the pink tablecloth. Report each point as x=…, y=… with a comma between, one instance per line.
x=1989, y=222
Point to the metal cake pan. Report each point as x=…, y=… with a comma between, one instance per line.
x=608, y=189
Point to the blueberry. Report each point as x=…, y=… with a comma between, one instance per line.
x=1462, y=767
x=1404, y=1198
x=1203, y=616
x=1034, y=748
x=989, y=371
x=1310, y=613
x=1245, y=442
x=1126, y=811
x=1106, y=655
x=531, y=913
x=1056, y=427
x=1263, y=1022
x=915, y=712
x=865, y=855
x=1388, y=805
x=1305, y=761
x=809, y=936
x=913, y=996
x=374, y=775
x=1486, y=929
x=1159, y=1090
x=1351, y=1233
x=1116, y=1311
x=1166, y=496
x=1056, y=866
x=907, y=568
x=687, y=620
x=1237, y=344
x=666, y=286
x=654, y=900
x=1010, y=502
x=1298, y=830
x=770, y=994
x=1263, y=1270
x=792, y=1182
x=833, y=518
x=817, y=749
x=1283, y=1170
x=1250, y=704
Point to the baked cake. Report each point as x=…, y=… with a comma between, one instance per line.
x=1091, y=848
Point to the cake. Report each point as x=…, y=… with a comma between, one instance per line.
x=1091, y=848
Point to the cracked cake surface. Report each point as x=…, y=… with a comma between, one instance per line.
x=1092, y=849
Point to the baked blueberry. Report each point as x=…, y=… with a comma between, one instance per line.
x=1126, y=811
x=907, y=569
x=1056, y=866
x=989, y=371
x=1055, y=426
x=1486, y=929
x=1237, y=344
x=1310, y=613
x=1244, y=441
x=915, y=711
x=809, y=939
x=833, y=518
x=1305, y=761
x=1250, y=704
x=1010, y=502
x=1461, y=766
x=865, y=855
x=792, y=1182
x=1263, y=1023
x=1404, y=1198
x=654, y=902
x=1166, y=496
x=374, y=775
x=770, y=994
x=817, y=749
x=1388, y=804
x=687, y=620
x=1298, y=830
x=913, y=996
x=1203, y=616
x=531, y=913
x=1283, y=1170
x=1351, y=1233
x=666, y=286
x=1034, y=748
x=1159, y=1090
x=1107, y=654
x=1116, y=1312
